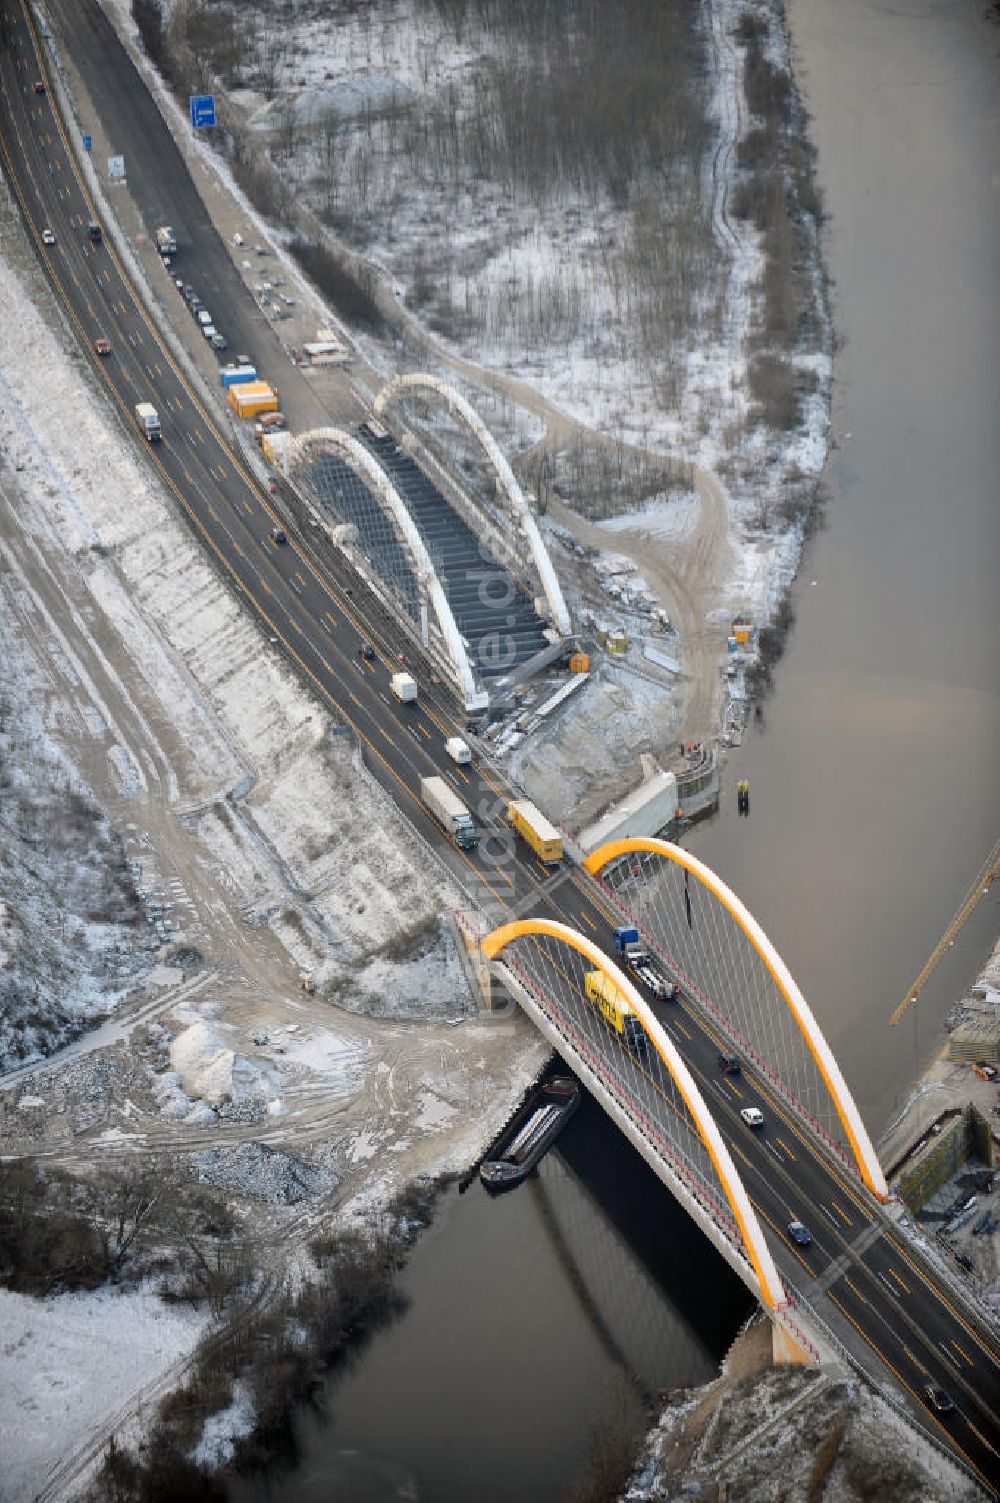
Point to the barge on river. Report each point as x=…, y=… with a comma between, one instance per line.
x=531, y=1132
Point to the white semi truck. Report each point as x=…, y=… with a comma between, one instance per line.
x=449, y=811
x=148, y=419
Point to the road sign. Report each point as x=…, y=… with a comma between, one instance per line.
x=202, y=110
x=88, y=142
x=116, y=166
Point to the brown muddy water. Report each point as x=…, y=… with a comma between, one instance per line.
x=542, y=1321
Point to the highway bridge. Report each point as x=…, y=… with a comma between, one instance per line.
x=861, y=1289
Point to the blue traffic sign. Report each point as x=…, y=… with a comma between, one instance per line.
x=88, y=142
x=202, y=110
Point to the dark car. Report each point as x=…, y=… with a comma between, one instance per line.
x=95, y=232
x=278, y=535
x=800, y=1233
x=39, y=86
x=729, y=1064
x=938, y=1398
x=367, y=651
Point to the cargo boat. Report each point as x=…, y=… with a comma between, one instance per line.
x=530, y=1134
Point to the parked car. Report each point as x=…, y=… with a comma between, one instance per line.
x=203, y=315
x=273, y=420
x=102, y=346
x=209, y=331
x=938, y=1398
x=800, y=1233
x=219, y=341
x=189, y=292
x=752, y=1116
x=729, y=1064
x=48, y=236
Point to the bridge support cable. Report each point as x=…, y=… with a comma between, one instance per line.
x=520, y=510
x=716, y=949
x=648, y=1084
x=394, y=508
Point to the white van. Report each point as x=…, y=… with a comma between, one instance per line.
x=458, y=750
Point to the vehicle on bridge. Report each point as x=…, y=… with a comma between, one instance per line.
x=642, y=965
x=752, y=1116
x=939, y=1398
x=48, y=236
x=616, y=1010
x=800, y=1233
x=538, y=832
x=449, y=811
x=404, y=687
x=458, y=750
x=148, y=419
x=94, y=232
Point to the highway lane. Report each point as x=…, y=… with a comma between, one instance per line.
x=321, y=628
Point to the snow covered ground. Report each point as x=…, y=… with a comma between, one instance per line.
x=68, y=1364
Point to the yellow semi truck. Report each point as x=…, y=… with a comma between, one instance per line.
x=616, y=1010
x=532, y=826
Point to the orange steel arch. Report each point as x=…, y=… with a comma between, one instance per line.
x=771, y=1289
x=857, y=1134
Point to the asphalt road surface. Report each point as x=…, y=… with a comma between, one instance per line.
x=858, y=1272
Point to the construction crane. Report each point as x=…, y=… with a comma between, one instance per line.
x=980, y=887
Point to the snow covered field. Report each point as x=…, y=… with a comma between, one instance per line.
x=67, y=1365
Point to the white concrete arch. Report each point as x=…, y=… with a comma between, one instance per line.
x=515, y=496
x=771, y=1289
x=857, y=1134
x=358, y=457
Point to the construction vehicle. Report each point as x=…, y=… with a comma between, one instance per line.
x=148, y=419
x=533, y=828
x=988, y=872
x=449, y=811
x=616, y=1010
x=641, y=964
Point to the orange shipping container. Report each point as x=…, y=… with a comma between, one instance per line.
x=252, y=397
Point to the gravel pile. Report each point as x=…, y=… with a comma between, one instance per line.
x=264, y=1173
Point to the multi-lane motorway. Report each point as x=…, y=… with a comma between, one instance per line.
x=862, y=1276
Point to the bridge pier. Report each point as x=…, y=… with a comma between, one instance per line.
x=786, y=1350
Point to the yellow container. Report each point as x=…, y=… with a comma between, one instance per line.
x=742, y=635
x=250, y=398
x=579, y=663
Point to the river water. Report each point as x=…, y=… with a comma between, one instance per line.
x=545, y=1318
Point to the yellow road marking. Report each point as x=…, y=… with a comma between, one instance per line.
x=852, y=1286
x=586, y=919
x=785, y=1147
x=734, y=1088
x=915, y=1360
x=423, y=729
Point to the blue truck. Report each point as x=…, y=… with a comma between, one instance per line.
x=638, y=960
